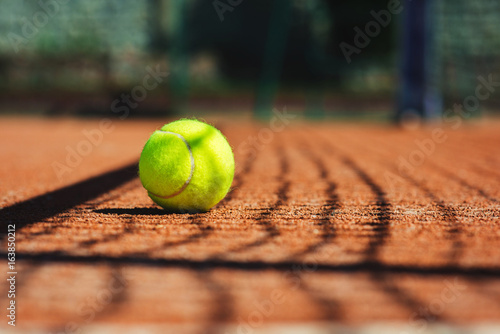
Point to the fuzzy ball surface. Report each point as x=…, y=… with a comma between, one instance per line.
x=187, y=166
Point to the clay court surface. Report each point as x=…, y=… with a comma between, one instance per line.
x=323, y=226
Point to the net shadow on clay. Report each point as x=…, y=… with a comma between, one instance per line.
x=50, y=204
x=329, y=208
x=463, y=182
x=239, y=178
x=255, y=266
x=129, y=228
x=264, y=218
x=203, y=232
x=381, y=227
x=450, y=174
x=449, y=215
x=330, y=308
x=383, y=214
x=447, y=212
x=117, y=299
x=222, y=301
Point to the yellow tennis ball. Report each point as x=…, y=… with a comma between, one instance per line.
x=187, y=166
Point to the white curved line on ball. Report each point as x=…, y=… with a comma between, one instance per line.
x=192, y=167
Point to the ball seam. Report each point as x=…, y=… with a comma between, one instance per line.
x=184, y=186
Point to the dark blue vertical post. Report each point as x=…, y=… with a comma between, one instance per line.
x=418, y=92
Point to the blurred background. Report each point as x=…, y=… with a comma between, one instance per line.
x=363, y=59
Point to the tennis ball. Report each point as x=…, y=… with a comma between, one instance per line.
x=187, y=166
